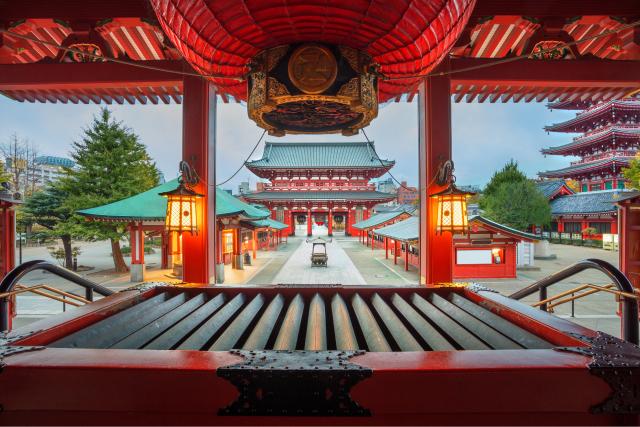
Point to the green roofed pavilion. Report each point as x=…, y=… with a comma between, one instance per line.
x=403, y=231
x=380, y=219
x=150, y=206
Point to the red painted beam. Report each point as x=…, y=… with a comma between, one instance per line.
x=554, y=8
x=559, y=73
x=65, y=76
x=75, y=10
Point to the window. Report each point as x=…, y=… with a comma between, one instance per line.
x=595, y=187
x=601, y=227
x=572, y=227
x=608, y=185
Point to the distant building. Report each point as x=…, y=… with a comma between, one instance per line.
x=51, y=168
x=260, y=187
x=243, y=188
x=407, y=195
x=387, y=186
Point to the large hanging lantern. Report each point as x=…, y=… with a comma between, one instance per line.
x=315, y=66
x=451, y=203
x=181, y=203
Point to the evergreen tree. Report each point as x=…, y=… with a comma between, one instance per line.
x=111, y=164
x=509, y=173
x=47, y=208
x=510, y=198
x=632, y=172
x=517, y=204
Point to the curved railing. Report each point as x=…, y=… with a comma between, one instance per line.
x=629, y=305
x=13, y=277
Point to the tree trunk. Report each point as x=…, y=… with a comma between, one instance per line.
x=66, y=244
x=118, y=259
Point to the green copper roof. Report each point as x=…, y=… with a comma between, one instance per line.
x=305, y=155
x=405, y=231
x=378, y=219
x=270, y=223
x=151, y=206
x=320, y=195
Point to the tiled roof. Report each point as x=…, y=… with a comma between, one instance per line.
x=405, y=231
x=305, y=155
x=378, y=219
x=588, y=202
x=585, y=141
x=151, y=206
x=585, y=116
x=268, y=223
x=319, y=195
x=394, y=208
x=503, y=228
x=585, y=166
x=550, y=187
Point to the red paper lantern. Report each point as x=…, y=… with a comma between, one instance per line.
x=407, y=38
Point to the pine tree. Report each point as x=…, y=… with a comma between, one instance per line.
x=510, y=198
x=47, y=208
x=632, y=172
x=111, y=164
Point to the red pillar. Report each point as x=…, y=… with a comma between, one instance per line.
x=614, y=226
x=560, y=226
x=133, y=239
x=309, y=221
x=330, y=221
x=396, y=249
x=254, y=240
x=140, y=243
x=198, y=148
x=434, y=104
x=386, y=248
x=406, y=256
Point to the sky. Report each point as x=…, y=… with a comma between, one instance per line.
x=485, y=136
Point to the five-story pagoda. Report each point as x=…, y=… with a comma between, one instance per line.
x=610, y=139
x=319, y=183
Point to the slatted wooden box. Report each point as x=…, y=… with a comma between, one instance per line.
x=302, y=355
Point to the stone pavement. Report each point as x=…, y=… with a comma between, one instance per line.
x=340, y=268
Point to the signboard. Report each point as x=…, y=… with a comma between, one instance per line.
x=576, y=236
x=555, y=235
x=467, y=256
x=610, y=242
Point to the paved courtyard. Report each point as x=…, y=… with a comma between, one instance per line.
x=349, y=262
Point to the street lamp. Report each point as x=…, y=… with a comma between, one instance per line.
x=452, y=202
x=181, y=203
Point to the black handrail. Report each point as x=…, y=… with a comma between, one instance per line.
x=13, y=277
x=629, y=305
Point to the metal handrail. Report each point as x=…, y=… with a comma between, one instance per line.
x=569, y=296
x=630, y=324
x=19, y=289
x=11, y=280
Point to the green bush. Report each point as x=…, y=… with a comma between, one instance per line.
x=126, y=250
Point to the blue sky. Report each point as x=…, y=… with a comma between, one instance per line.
x=485, y=136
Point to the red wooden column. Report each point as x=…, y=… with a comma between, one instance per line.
x=309, y=221
x=198, y=148
x=434, y=117
x=330, y=221
x=406, y=256
x=396, y=249
x=254, y=240
x=386, y=248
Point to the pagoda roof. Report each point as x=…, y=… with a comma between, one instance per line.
x=592, y=113
x=151, y=206
x=589, y=202
x=319, y=155
x=550, y=188
x=584, y=167
x=379, y=219
x=320, y=195
x=588, y=140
